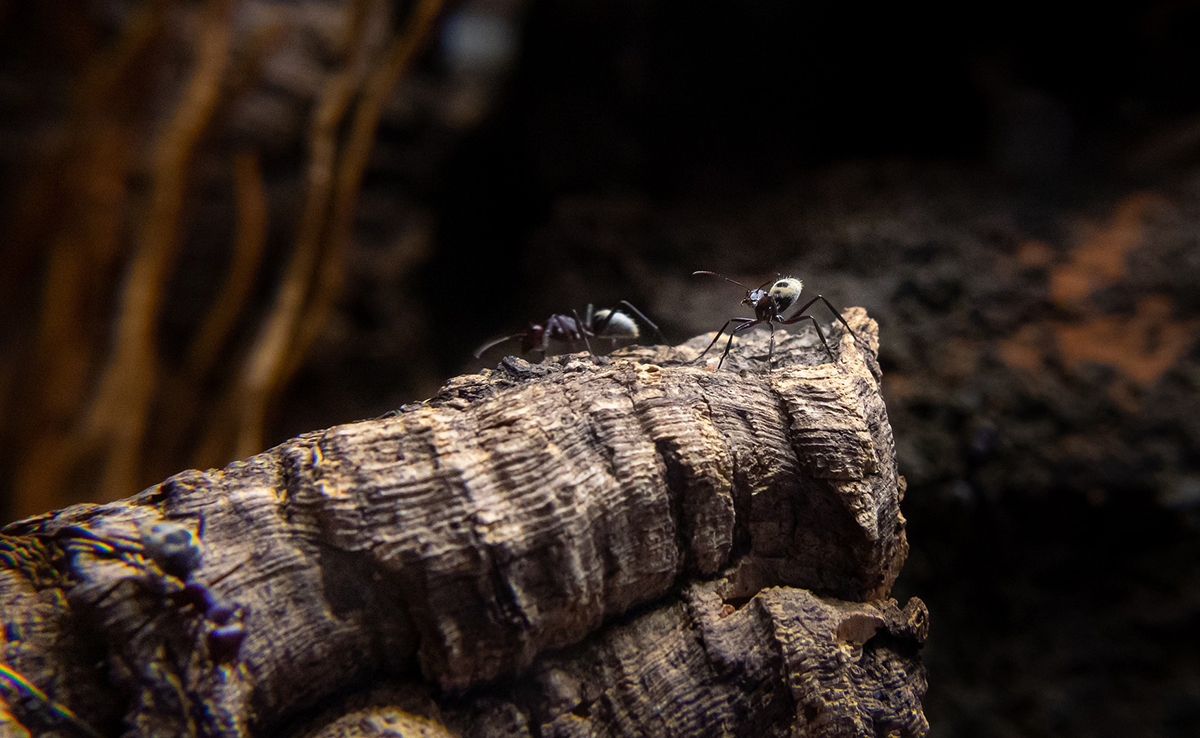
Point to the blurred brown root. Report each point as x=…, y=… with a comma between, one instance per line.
x=74, y=204
x=92, y=177
x=228, y=307
x=117, y=418
x=104, y=102
x=247, y=255
x=379, y=87
x=314, y=275
x=277, y=329
x=97, y=400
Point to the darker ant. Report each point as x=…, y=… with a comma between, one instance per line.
x=769, y=306
x=173, y=548
x=611, y=325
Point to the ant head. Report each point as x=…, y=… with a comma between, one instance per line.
x=615, y=324
x=785, y=292
x=173, y=547
x=532, y=338
x=754, y=297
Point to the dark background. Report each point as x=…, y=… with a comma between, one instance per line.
x=1011, y=190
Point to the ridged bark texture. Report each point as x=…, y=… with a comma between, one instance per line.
x=631, y=545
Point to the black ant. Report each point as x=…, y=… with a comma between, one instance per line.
x=769, y=306
x=611, y=325
x=173, y=548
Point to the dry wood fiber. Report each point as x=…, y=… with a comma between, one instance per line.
x=461, y=542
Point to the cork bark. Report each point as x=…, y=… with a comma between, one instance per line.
x=627, y=545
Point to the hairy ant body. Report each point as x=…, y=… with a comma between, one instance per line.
x=769, y=306
x=574, y=332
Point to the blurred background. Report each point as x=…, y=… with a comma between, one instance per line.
x=227, y=222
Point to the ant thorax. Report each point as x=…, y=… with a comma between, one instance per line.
x=563, y=328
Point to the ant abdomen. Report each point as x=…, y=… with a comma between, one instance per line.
x=616, y=325
x=786, y=292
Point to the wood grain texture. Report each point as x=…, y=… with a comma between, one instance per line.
x=469, y=537
x=783, y=663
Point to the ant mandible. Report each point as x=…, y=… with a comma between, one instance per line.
x=769, y=306
x=612, y=325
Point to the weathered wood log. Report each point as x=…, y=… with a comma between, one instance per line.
x=587, y=546
x=785, y=663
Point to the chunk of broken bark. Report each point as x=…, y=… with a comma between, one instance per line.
x=529, y=536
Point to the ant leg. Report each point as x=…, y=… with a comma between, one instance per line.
x=771, y=347
x=749, y=323
x=583, y=331
x=837, y=314
x=647, y=321
x=716, y=337
x=800, y=314
x=820, y=333
x=726, y=351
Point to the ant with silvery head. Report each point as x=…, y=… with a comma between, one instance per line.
x=572, y=332
x=769, y=306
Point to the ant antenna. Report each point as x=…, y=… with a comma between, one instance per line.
x=734, y=281
x=492, y=344
x=722, y=276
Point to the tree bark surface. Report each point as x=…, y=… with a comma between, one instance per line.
x=628, y=545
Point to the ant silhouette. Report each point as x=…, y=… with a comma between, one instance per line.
x=610, y=325
x=173, y=549
x=769, y=306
